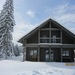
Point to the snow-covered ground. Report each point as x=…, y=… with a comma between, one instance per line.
x=15, y=66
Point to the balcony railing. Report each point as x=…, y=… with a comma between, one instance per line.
x=44, y=40
x=47, y=40
x=57, y=40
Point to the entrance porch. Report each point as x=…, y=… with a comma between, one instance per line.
x=52, y=55
x=46, y=54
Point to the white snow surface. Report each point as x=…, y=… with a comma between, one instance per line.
x=15, y=66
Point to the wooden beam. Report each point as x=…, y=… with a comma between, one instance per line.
x=49, y=52
x=61, y=36
x=38, y=53
x=38, y=36
x=61, y=54
x=50, y=32
x=49, y=29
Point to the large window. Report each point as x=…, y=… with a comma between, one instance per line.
x=44, y=39
x=33, y=53
x=65, y=53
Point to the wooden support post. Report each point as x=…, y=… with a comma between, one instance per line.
x=61, y=36
x=38, y=36
x=61, y=54
x=49, y=52
x=38, y=53
x=61, y=46
x=50, y=32
x=50, y=40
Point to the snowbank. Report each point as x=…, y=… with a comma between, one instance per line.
x=15, y=67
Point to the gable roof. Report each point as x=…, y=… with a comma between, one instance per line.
x=37, y=28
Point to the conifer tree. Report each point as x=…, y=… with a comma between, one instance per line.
x=6, y=27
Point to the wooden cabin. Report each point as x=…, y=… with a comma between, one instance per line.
x=49, y=42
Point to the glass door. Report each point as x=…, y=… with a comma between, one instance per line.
x=47, y=55
x=51, y=55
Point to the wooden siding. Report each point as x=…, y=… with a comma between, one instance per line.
x=33, y=38
x=57, y=56
x=64, y=40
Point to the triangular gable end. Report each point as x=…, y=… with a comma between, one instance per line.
x=46, y=24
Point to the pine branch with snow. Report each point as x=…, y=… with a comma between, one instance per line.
x=6, y=27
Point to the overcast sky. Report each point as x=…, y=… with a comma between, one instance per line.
x=30, y=13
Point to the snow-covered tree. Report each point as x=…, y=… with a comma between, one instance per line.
x=6, y=27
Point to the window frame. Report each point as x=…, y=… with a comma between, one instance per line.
x=54, y=39
x=34, y=53
x=65, y=53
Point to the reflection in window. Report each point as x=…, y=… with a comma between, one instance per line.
x=33, y=53
x=65, y=53
x=47, y=55
x=54, y=39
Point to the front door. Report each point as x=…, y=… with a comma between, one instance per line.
x=51, y=55
x=46, y=54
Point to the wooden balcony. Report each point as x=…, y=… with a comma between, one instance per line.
x=47, y=40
